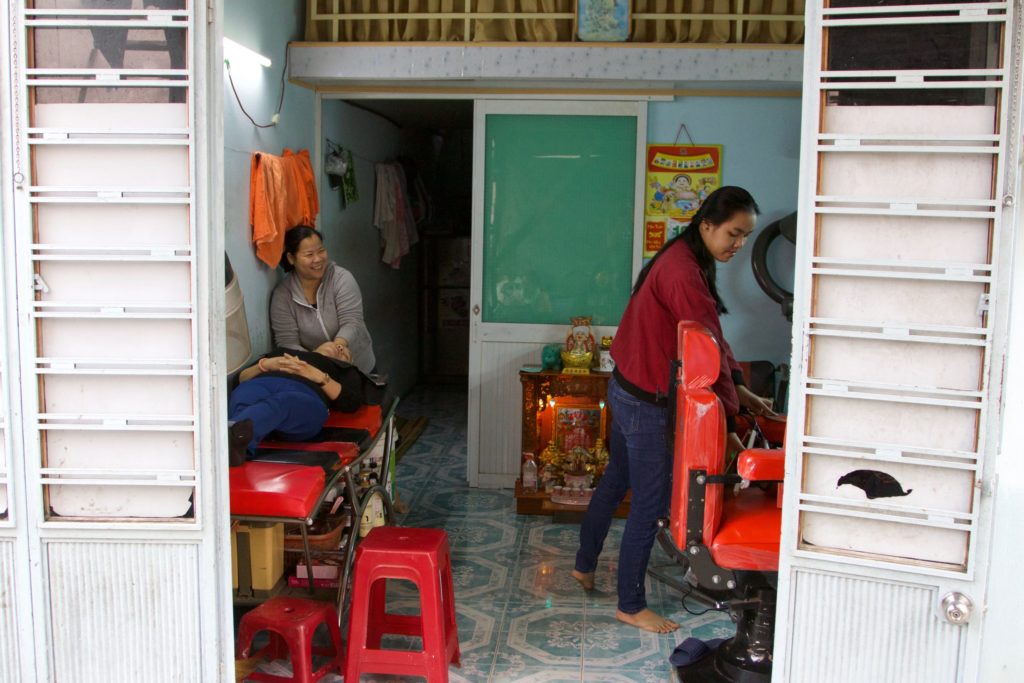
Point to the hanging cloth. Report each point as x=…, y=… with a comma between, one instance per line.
x=282, y=195
x=341, y=172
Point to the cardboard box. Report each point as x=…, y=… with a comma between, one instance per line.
x=257, y=555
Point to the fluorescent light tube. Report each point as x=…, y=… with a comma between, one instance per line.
x=233, y=52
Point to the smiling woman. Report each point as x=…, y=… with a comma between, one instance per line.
x=318, y=302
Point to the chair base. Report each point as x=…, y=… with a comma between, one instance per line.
x=711, y=670
x=747, y=656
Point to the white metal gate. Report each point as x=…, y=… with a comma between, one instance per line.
x=898, y=338
x=113, y=541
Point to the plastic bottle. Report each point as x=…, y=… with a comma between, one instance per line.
x=529, y=473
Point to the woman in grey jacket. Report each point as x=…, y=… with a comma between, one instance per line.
x=318, y=301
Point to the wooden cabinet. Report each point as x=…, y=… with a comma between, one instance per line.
x=568, y=409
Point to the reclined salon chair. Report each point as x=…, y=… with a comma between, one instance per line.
x=724, y=526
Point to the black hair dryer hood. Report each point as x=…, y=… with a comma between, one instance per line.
x=786, y=227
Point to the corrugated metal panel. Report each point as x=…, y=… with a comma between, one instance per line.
x=124, y=612
x=846, y=628
x=501, y=400
x=9, y=664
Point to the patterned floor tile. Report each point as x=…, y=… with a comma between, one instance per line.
x=458, y=500
x=475, y=576
x=557, y=539
x=518, y=673
x=652, y=669
x=536, y=635
x=473, y=535
x=610, y=644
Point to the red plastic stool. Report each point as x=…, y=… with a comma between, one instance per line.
x=422, y=557
x=292, y=623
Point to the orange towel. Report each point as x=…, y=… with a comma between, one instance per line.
x=282, y=195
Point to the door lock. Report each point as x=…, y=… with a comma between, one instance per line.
x=39, y=284
x=957, y=608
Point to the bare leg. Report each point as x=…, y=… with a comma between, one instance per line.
x=646, y=620
x=586, y=579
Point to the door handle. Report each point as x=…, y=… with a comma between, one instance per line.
x=476, y=309
x=957, y=608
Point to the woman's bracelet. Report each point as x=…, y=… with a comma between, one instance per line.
x=327, y=380
x=259, y=364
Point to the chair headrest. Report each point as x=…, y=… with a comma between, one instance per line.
x=700, y=355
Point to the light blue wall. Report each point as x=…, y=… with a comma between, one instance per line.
x=389, y=295
x=265, y=26
x=761, y=145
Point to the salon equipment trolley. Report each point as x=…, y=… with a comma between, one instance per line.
x=296, y=483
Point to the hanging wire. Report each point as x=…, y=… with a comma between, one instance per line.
x=280, y=100
x=682, y=127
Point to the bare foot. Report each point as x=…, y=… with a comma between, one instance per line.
x=646, y=620
x=586, y=579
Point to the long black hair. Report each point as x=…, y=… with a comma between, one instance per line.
x=717, y=208
x=292, y=239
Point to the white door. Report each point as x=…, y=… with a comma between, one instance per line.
x=557, y=210
x=114, y=480
x=899, y=341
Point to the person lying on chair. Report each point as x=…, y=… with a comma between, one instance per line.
x=289, y=392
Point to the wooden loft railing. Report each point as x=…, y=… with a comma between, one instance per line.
x=708, y=22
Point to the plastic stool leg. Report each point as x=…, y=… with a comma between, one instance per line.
x=358, y=618
x=301, y=651
x=375, y=627
x=451, y=630
x=335, y=631
x=435, y=641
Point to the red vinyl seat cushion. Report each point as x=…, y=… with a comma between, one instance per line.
x=271, y=489
x=346, y=451
x=748, y=537
x=367, y=417
x=762, y=464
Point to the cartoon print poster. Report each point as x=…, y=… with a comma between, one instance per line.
x=679, y=177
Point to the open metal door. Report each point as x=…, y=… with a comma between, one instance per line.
x=908, y=159
x=113, y=544
x=557, y=205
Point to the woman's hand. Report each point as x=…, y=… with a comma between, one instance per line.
x=296, y=366
x=755, y=404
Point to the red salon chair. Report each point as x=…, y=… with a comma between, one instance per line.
x=722, y=528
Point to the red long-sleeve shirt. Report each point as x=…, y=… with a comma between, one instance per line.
x=645, y=344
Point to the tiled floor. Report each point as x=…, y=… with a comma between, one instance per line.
x=521, y=617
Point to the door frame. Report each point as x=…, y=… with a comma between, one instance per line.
x=26, y=524
x=977, y=581
x=481, y=332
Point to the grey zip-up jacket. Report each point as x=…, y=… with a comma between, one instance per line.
x=338, y=313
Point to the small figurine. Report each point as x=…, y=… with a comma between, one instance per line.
x=580, y=340
x=551, y=357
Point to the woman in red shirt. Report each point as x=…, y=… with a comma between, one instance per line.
x=677, y=284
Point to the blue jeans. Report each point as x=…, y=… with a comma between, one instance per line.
x=640, y=460
x=277, y=404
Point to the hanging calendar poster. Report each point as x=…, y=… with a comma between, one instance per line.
x=679, y=178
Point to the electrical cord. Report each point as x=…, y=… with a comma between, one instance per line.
x=280, y=100
x=688, y=610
